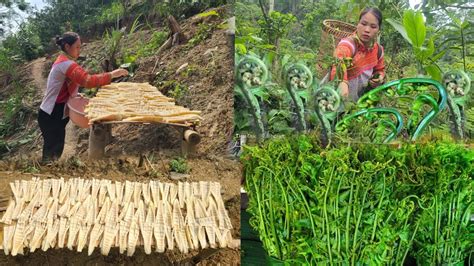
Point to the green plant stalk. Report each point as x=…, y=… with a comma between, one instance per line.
x=354, y=243
x=399, y=85
x=451, y=222
x=299, y=106
x=378, y=208
x=255, y=110
x=428, y=117
x=364, y=112
x=436, y=228
x=338, y=230
x=305, y=203
x=409, y=243
x=313, y=252
x=348, y=216
x=456, y=217
x=400, y=246
x=272, y=222
x=464, y=217
x=463, y=49
x=263, y=233
x=456, y=118
x=328, y=235
x=354, y=214
x=326, y=127
x=287, y=210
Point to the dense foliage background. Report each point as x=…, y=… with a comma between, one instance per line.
x=425, y=40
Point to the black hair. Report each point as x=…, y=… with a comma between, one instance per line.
x=67, y=38
x=375, y=11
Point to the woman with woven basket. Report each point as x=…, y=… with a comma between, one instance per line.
x=360, y=57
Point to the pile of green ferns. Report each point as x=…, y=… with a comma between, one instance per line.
x=361, y=204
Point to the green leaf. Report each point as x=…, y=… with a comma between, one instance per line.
x=455, y=39
x=399, y=27
x=255, y=38
x=434, y=71
x=429, y=50
x=238, y=92
x=208, y=14
x=415, y=27
x=266, y=46
x=268, y=59
x=438, y=56
x=272, y=113
x=456, y=20
x=422, y=53
x=261, y=92
x=240, y=48
x=285, y=59
x=303, y=94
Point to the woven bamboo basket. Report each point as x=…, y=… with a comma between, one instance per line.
x=338, y=29
x=332, y=33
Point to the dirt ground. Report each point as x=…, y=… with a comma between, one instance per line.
x=142, y=152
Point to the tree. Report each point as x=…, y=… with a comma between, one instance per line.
x=9, y=11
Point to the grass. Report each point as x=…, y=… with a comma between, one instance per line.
x=204, y=31
x=178, y=91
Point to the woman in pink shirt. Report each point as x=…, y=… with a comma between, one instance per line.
x=64, y=80
x=367, y=66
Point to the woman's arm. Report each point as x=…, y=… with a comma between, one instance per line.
x=77, y=74
x=345, y=49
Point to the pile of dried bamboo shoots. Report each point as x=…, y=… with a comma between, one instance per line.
x=77, y=212
x=137, y=102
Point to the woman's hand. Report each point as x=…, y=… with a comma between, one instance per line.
x=344, y=89
x=119, y=73
x=376, y=80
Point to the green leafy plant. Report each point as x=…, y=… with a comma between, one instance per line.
x=298, y=78
x=112, y=39
x=179, y=165
x=208, y=14
x=178, y=91
x=414, y=32
x=360, y=204
x=251, y=73
x=460, y=42
x=204, y=31
x=136, y=25
x=12, y=111
x=112, y=13
x=457, y=85
x=157, y=39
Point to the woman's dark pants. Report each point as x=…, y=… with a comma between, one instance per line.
x=53, y=130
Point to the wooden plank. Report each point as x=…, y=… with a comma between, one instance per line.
x=145, y=123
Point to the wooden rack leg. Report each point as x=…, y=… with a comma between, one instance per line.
x=99, y=137
x=189, y=142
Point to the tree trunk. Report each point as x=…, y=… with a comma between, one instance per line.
x=176, y=34
x=271, y=6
